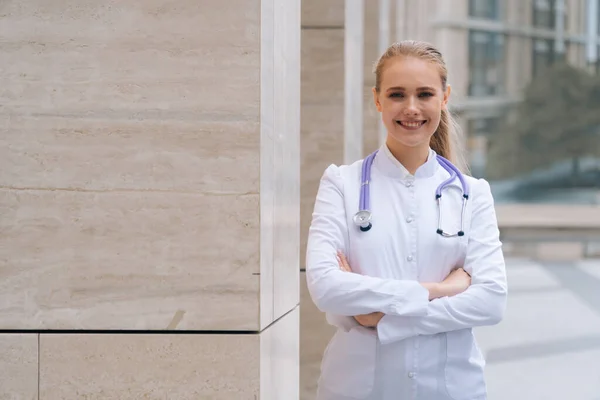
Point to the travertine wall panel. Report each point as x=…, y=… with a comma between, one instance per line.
x=18, y=366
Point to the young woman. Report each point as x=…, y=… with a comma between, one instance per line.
x=407, y=278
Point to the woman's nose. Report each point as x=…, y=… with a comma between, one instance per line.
x=411, y=107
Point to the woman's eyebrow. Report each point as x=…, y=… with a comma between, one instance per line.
x=420, y=89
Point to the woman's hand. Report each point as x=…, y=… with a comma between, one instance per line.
x=366, y=320
x=369, y=320
x=456, y=282
x=343, y=262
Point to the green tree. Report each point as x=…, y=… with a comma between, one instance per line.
x=558, y=120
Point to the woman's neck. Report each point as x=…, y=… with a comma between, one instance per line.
x=410, y=157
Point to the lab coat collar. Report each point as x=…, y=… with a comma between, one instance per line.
x=391, y=166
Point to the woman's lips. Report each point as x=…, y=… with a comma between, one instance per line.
x=411, y=125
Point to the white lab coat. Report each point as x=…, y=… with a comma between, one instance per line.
x=420, y=349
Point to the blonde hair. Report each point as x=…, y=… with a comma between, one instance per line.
x=446, y=141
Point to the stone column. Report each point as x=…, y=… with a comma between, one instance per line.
x=149, y=197
x=322, y=136
x=374, y=132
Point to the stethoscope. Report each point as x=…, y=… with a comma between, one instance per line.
x=362, y=218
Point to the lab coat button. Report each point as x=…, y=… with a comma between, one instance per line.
x=409, y=219
x=411, y=375
x=409, y=258
x=408, y=184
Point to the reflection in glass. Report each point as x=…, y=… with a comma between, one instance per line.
x=486, y=62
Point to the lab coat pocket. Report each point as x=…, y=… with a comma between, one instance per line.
x=464, y=366
x=348, y=366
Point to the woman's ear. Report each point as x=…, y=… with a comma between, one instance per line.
x=446, y=97
x=376, y=99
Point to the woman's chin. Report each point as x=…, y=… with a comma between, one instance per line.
x=411, y=139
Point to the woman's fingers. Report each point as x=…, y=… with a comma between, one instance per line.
x=343, y=262
x=369, y=320
x=340, y=263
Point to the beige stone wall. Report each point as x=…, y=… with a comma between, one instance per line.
x=322, y=93
x=371, y=54
x=121, y=133
x=18, y=366
x=149, y=181
x=114, y=366
x=322, y=143
x=315, y=333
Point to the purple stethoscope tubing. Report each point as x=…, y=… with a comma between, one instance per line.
x=363, y=217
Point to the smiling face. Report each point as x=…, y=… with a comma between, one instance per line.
x=410, y=99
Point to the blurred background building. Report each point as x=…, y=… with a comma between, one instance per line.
x=525, y=91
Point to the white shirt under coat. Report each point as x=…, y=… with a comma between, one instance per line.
x=420, y=349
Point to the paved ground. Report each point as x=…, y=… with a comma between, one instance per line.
x=547, y=347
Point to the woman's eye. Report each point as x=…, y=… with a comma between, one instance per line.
x=396, y=95
x=425, y=94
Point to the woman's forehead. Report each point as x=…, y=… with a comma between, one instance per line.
x=410, y=72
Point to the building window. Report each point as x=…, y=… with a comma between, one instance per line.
x=544, y=13
x=543, y=55
x=488, y=9
x=480, y=130
x=486, y=63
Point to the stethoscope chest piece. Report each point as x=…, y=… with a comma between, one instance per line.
x=362, y=219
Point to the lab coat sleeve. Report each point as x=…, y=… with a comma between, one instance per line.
x=345, y=323
x=484, y=302
x=341, y=293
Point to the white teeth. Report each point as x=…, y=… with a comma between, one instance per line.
x=410, y=124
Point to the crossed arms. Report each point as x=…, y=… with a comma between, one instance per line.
x=406, y=308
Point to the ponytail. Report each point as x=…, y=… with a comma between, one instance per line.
x=446, y=141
